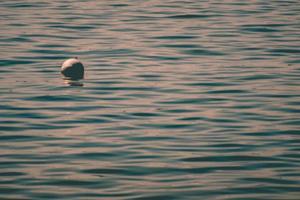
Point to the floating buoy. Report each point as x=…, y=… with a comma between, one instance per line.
x=72, y=69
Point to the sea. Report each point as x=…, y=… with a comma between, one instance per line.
x=181, y=99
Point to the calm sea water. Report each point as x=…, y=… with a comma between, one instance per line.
x=181, y=100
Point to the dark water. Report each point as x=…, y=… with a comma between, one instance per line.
x=181, y=100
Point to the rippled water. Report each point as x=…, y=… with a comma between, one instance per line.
x=181, y=100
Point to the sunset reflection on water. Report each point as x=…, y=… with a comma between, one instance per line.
x=180, y=100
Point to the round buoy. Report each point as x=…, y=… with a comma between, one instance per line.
x=72, y=69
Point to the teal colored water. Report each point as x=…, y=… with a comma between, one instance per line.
x=181, y=100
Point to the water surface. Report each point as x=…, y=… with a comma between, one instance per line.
x=181, y=100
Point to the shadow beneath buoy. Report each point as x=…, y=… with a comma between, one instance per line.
x=73, y=82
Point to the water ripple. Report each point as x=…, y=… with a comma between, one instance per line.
x=180, y=100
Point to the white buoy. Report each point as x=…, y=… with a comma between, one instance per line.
x=72, y=68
